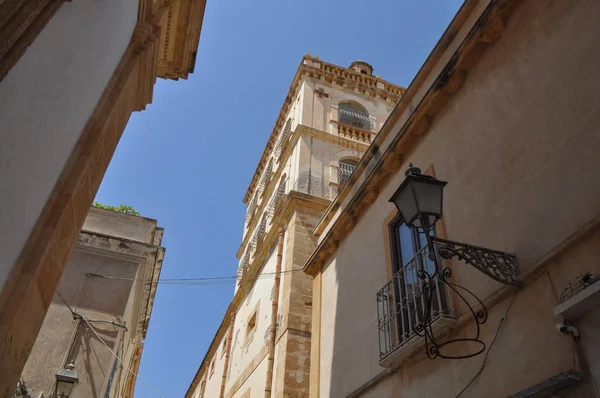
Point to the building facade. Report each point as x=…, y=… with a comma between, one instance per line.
x=103, y=303
x=505, y=111
x=329, y=118
x=71, y=74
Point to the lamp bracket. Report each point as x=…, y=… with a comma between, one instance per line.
x=500, y=266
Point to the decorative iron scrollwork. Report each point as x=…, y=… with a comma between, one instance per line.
x=424, y=328
x=498, y=265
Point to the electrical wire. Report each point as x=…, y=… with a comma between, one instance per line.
x=77, y=316
x=490, y=347
x=65, y=301
x=119, y=359
x=200, y=281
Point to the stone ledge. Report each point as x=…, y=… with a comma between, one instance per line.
x=402, y=353
x=551, y=386
x=580, y=303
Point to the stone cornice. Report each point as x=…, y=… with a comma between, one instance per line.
x=179, y=38
x=272, y=183
x=178, y=22
x=151, y=255
x=293, y=202
x=385, y=156
x=312, y=67
x=182, y=24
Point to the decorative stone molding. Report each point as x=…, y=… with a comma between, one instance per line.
x=353, y=133
x=150, y=257
x=179, y=37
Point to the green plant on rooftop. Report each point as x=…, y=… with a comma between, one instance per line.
x=119, y=209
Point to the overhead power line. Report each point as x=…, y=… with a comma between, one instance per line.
x=198, y=281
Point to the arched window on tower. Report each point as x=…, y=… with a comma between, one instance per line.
x=354, y=114
x=345, y=169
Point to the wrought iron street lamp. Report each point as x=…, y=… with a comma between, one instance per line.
x=419, y=200
x=65, y=381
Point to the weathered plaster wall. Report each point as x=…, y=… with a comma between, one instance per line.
x=123, y=301
x=93, y=298
x=517, y=144
x=214, y=379
x=589, y=327
x=46, y=100
x=248, y=352
x=120, y=225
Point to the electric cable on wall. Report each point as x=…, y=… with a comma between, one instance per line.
x=119, y=359
x=490, y=347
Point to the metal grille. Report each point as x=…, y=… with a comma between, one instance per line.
x=251, y=208
x=276, y=199
x=351, y=115
x=262, y=227
x=345, y=170
x=401, y=303
x=284, y=139
x=265, y=179
x=253, y=245
x=244, y=265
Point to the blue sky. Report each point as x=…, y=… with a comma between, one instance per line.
x=188, y=159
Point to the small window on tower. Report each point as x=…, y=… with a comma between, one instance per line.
x=251, y=325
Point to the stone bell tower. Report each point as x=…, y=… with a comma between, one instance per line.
x=328, y=120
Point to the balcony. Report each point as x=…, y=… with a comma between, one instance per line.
x=355, y=118
x=401, y=306
x=345, y=170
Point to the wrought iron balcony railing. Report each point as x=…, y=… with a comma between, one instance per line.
x=356, y=118
x=345, y=170
x=402, y=304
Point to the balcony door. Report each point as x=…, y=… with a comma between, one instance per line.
x=409, y=255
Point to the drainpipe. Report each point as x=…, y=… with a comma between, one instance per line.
x=227, y=354
x=274, y=310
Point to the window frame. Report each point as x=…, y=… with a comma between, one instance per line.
x=251, y=331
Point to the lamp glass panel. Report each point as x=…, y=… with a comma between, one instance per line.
x=63, y=388
x=429, y=197
x=405, y=202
